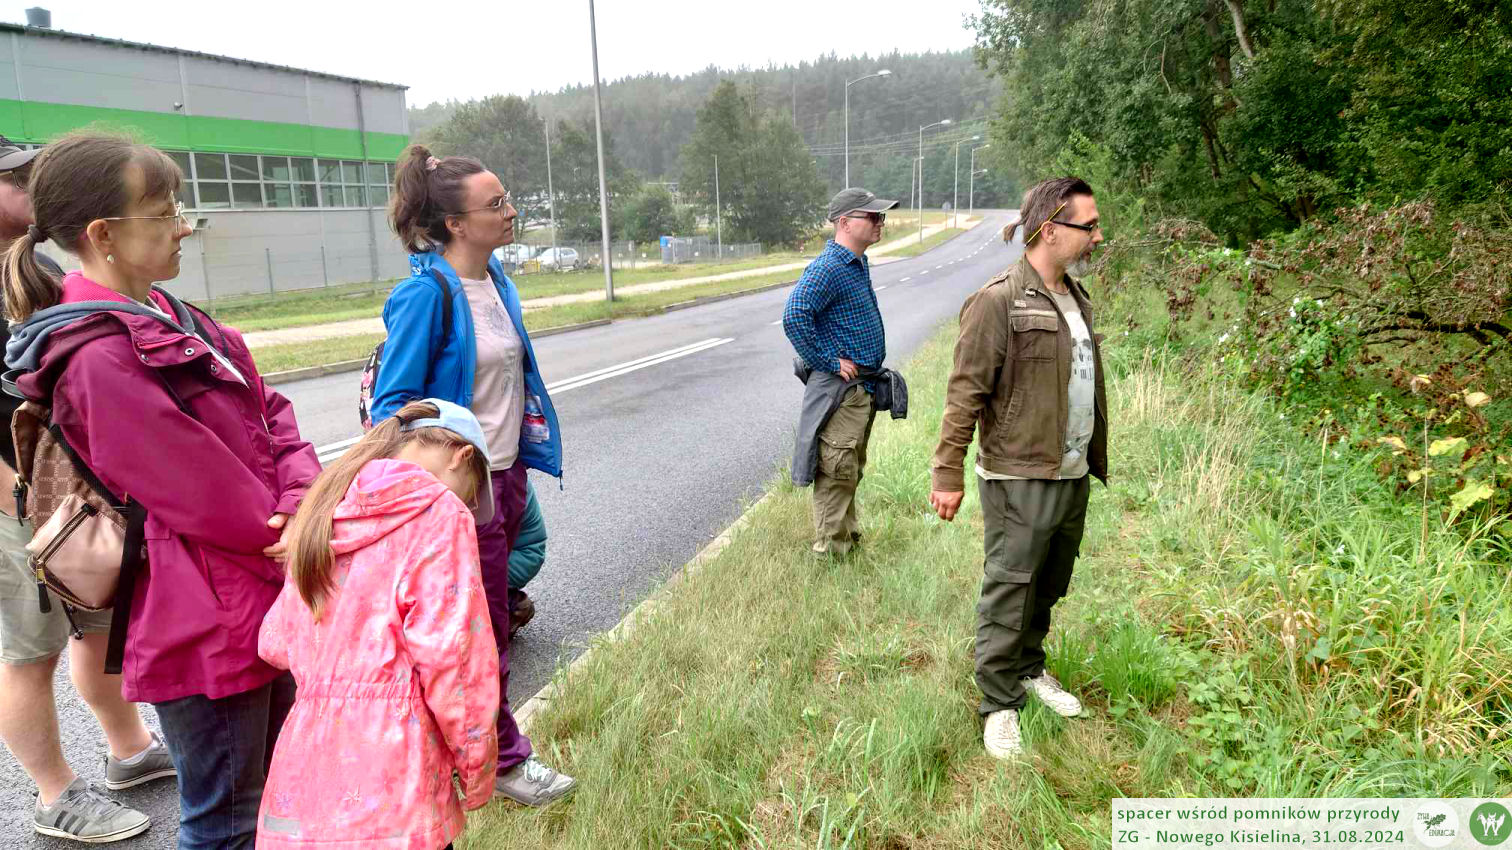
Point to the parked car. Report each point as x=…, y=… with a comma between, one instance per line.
x=512, y=257
x=559, y=259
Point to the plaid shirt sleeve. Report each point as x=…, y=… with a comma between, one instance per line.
x=809, y=298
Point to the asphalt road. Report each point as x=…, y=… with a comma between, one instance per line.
x=671, y=425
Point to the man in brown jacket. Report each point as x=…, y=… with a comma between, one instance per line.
x=1028, y=368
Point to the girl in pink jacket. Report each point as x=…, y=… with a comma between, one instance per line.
x=384, y=624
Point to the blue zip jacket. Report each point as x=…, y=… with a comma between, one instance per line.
x=412, y=316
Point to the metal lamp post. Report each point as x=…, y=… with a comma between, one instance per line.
x=944, y=123
x=882, y=73
x=598, y=123
x=955, y=201
x=550, y=193
x=972, y=183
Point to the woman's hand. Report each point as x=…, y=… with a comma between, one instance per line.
x=279, y=551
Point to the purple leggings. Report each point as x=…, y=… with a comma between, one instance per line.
x=495, y=538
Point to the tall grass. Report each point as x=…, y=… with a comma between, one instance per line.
x=1251, y=616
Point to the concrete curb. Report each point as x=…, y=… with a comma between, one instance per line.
x=288, y=375
x=525, y=713
x=323, y=369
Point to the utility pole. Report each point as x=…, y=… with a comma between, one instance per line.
x=551, y=193
x=882, y=73
x=598, y=123
x=955, y=202
x=972, y=183
x=922, y=128
x=718, y=219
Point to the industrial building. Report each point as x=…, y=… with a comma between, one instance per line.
x=287, y=170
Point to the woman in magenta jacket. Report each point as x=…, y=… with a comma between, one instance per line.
x=167, y=407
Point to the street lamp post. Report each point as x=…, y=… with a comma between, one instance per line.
x=944, y=123
x=971, y=185
x=882, y=73
x=550, y=193
x=718, y=219
x=955, y=201
x=598, y=123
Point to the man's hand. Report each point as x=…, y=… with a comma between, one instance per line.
x=279, y=551
x=847, y=369
x=945, y=503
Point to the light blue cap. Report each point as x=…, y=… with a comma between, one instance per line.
x=461, y=421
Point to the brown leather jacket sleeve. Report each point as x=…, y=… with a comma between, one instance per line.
x=980, y=353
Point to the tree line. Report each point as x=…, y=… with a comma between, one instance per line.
x=778, y=132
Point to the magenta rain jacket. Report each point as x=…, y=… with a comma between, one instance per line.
x=209, y=481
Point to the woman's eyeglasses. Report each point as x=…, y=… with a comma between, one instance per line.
x=499, y=205
x=177, y=214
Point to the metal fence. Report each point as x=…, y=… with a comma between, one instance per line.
x=569, y=256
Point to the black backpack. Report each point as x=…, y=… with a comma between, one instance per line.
x=375, y=360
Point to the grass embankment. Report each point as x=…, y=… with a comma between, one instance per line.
x=931, y=241
x=1252, y=614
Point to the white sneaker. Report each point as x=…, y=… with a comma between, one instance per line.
x=1052, y=694
x=1002, y=736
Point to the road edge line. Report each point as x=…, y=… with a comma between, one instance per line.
x=559, y=680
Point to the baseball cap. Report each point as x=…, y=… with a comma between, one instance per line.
x=461, y=421
x=857, y=200
x=13, y=157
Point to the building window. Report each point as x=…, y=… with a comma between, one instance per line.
x=248, y=181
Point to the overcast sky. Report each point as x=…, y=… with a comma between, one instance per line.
x=466, y=49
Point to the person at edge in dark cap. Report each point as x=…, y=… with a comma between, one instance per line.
x=833, y=322
x=1028, y=379
x=68, y=806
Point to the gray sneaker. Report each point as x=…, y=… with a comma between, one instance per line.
x=531, y=783
x=155, y=763
x=82, y=813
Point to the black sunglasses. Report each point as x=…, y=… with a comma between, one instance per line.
x=873, y=217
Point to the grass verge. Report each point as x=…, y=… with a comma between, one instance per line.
x=1252, y=615
x=931, y=241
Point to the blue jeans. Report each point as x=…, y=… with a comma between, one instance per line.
x=222, y=748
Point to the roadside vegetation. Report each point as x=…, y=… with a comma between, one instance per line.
x=1257, y=611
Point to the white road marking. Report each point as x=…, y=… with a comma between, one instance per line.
x=331, y=451
x=878, y=288
x=778, y=322
x=926, y=271
x=905, y=280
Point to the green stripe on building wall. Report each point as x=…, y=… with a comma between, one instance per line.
x=37, y=123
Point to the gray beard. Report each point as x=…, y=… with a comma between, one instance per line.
x=1080, y=268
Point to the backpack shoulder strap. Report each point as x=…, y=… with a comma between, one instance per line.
x=446, y=313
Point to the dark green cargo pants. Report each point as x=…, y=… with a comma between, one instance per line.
x=1034, y=531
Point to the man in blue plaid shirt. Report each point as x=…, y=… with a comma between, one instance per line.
x=834, y=324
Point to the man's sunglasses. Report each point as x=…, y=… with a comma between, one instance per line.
x=1085, y=228
x=873, y=217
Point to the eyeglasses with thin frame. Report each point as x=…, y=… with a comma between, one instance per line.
x=873, y=217
x=498, y=206
x=178, y=213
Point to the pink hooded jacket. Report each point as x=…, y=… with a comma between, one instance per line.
x=398, y=681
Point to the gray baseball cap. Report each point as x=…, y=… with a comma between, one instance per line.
x=13, y=157
x=857, y=200
x=461, y=421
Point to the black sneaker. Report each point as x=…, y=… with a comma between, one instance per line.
x=83, y=813
x=520, y=612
